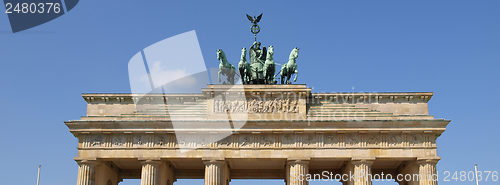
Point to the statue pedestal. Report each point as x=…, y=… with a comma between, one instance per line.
x=256, y=102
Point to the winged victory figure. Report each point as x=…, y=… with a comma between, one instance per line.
x=253, y=19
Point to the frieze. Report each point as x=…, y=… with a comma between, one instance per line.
x=263, y=141
x=227, y=142
x=118, y=141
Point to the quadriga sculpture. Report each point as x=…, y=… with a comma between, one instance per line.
x=244, y=67
x=269, y=67
x=290, y=68
x=225, y=68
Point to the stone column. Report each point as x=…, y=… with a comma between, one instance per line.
x=345, y=175
x=427, y=171
x=358, y=172
x=86, y=172
x=296, y=172
x=215, y=172
x=166, y=171
x=149, y=172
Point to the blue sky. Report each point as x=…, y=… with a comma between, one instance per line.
x=449, y=47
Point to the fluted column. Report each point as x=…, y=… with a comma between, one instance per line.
x=149, y=172
x=362, y=172
x=427, y=171
x=215, y=172
x=297, y=171
x=86, y=172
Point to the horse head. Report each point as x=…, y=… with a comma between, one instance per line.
x=270, y=52
x=243, y=54
x=220, y=55
x=294, y=54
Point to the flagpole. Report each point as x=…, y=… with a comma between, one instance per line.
x=475, y=170
x=38, y=176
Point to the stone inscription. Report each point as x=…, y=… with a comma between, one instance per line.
x=273, y=141
x=257, y=106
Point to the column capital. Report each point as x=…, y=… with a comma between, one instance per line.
x=365, y=161
x=90, y=162
x=151, y=162
x=298, y=160
x=214, y=160
x=433, y=161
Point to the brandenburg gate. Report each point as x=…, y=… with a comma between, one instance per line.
x=257, y=130
x=265, y=132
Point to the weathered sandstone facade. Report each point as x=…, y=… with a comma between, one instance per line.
x=255, y=131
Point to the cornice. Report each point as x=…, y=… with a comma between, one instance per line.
x=341, y=97
x=435, y=127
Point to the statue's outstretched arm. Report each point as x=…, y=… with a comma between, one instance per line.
x=253, y=44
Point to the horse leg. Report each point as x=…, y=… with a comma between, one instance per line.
x=296, y=75
x=245, y=77
x=273, y=70
x=218, y=74
x=268, y=75
x=264, y=74
x=283, y=74
x=242, y=76
x=231, y=79
x=249, y=76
